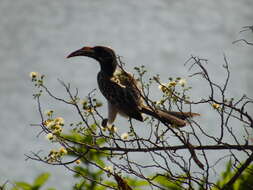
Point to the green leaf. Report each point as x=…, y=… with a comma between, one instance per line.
x=165, y=182
x=41, y=179
x=23, y=185
x=137, y=183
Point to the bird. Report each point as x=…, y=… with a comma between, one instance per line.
x=123, y=92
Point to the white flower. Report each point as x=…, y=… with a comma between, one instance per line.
x=161, y=86
x=63, y=151
x=182, y=82
x=216, y=106
x=49, y=123
x=49, y=113
x=172, y=83
x=160, y=102
x=112, y=128
x=49, y=136
x=109, y=169
x=59, y=121
x=34, y=75
x=124, y=136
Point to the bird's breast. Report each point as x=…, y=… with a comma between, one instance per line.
x=107, y=87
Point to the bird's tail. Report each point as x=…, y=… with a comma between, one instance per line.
x=170, y=117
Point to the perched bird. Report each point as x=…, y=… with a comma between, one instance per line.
x=123, y=91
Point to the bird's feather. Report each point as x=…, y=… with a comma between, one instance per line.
x=121, y=96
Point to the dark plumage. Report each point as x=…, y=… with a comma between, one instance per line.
x=123, y=92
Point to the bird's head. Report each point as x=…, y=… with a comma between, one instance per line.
x=104, y=55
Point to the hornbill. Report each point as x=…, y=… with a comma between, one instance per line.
x=122, y=90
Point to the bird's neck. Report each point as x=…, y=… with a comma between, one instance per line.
x=108, y=67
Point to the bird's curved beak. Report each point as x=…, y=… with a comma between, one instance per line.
x=85, y=51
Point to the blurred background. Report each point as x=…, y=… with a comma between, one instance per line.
x=37, y=35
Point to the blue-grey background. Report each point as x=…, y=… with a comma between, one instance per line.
x=36, y=35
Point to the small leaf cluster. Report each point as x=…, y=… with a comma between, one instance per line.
x=37, y=80
x=173, y=91
x=245, y=181
x=89, y=105
x=140, y=70
x=56, y=156
x=36, y=185
x=54, y=125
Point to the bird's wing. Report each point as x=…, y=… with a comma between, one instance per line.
x=127, y=80
x=124, y=98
